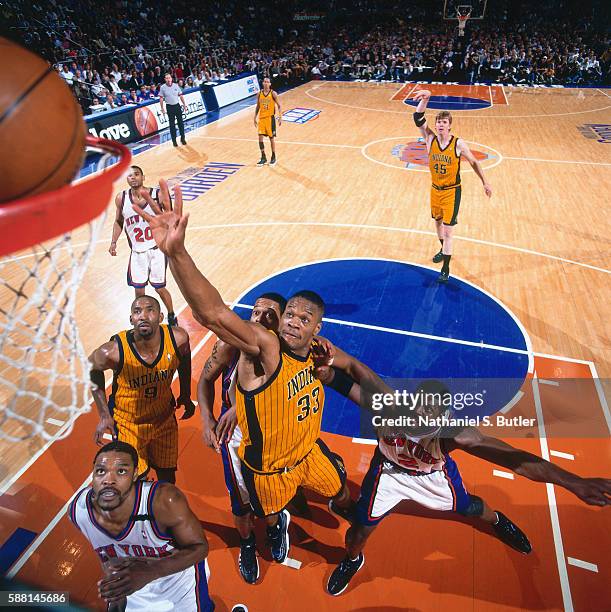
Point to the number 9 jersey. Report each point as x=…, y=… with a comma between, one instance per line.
x=141, y=392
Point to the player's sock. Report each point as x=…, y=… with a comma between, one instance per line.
x=446, y=263
x=247, y=560
x=342, y=575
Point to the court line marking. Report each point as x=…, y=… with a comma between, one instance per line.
x=601, y=394
x=31, y=549
x=490, y=93
x=462, y=116
x=551, y=383
x=53, y=421
x=604, y=93
x=557, y=161
x=551, y=500
x=424, y=169
x=502, y=88
x=501, y=474
x=516, y=398
x=406, y=230
x=367, y=441
x=561, y=455
x=403, y=86
x=294, y=142
x=582, y=564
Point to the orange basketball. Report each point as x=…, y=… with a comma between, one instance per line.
x=41, y=126
x=145, y=120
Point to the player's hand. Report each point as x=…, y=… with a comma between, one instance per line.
x=168, y=226
x=105, y=425
x=279, y=119
x=112, y=249
x=184, y=109
x=593, y=491
x=209, y=425
x=189, y=407
x=255, y=122
x=226, y=425
x=488, y=189
x=422, y=94
x=127, y=578
x=323, y=351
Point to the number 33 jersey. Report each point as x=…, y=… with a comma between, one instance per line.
x=137, y=230
x=141, y=391
x=280, y=421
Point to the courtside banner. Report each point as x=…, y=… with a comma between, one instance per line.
x=233, y=91
x=136, y=122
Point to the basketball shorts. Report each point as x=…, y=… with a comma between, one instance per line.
x=321, y=471
x=386, y=484
x=445, y=204
x=157, y=444
x=185, y=591
x=234, y=481
x=147, y=267
x=267, y=126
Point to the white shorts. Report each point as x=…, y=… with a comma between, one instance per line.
x=238, y=493
x=386, y=484
x=186, y=591
x=147, y=267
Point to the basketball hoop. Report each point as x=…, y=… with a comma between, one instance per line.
x=44, y=372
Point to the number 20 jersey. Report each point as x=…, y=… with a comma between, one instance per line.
x=141, y=392
x=136, y=228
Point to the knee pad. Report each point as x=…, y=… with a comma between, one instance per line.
x=475, y=507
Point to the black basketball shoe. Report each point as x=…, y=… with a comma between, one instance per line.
x=247, y=560
x=511, y=534
x=343, y=574
x=438, y=257
x=278, y=537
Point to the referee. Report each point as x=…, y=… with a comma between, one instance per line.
x=169, y=94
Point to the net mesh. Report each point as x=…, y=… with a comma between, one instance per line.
x=44, y=372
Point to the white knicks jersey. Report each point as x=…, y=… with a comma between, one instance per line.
x=412, y=453
x=137, y=230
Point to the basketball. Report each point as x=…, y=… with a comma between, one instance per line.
x=145, y=120
x=41, y=126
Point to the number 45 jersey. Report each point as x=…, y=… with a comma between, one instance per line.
x=141, y=391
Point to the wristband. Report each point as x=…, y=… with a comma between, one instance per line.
x=419, y=119
x=342, y=383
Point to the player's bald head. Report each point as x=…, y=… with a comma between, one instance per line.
x=146, y=299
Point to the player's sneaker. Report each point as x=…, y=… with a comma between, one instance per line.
x=247, y=560
x=511, y=534
x=438, y=257
x=343, y=574
x=443, y=276
x=172, y=319
x=262, y=161
x=272, y=161
x=346, y=513
x=278, y=537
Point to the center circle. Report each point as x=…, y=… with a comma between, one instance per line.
x=409, y=153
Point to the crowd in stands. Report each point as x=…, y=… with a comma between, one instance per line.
x=116, y=53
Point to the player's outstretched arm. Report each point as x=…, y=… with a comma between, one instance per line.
x=172, y=514
x=464, y=151
x=423, y=96
x=593, y=491
x=220, y=358
x=208, y=307
x=105, y=357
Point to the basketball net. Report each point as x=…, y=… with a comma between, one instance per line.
x=44, y=371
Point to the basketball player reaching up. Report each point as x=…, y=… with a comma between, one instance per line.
x=414, y=463
x=279, y=401
x=445, y=152
x=269, y=111
x=147, y=264
x=151, y=545
x=141, y=407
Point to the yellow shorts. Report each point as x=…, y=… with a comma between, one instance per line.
x=321, y=471
x=157, y=444
x=445, y=204
x=267, y=126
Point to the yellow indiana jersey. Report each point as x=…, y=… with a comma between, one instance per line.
x=141, y=392
x=280, y=421
x=444, y=164
x=267, y=106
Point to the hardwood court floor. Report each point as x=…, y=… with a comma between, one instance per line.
x=341, y=189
